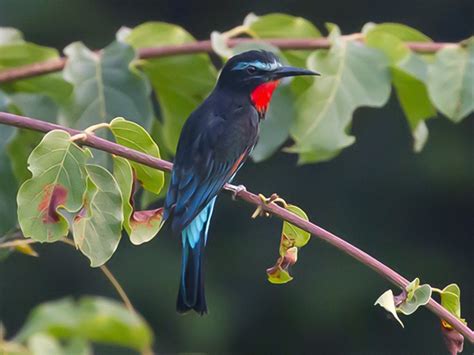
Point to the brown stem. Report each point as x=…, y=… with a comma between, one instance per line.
x=205, y=46
x=273, y=208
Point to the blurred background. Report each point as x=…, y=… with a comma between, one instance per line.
x=412, y=211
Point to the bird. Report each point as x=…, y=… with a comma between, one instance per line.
x=214, y=143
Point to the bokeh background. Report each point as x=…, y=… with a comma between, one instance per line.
x=412, y=211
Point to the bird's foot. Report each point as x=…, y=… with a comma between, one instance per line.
x=274, y=198
x=237, y=189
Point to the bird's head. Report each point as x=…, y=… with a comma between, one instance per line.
x=257, y=73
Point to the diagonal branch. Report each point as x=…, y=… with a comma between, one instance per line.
x=57, y=64
x=249, y=197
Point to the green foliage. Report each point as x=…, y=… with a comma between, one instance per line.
x=451, y=81
x=292, y=238
x=97, y=226
x=57, y=185
x=352, y=76
x=409, y=74
x=62, y=193
x=141, y=226
x=414, y=296
x=133, y=136
x=105, y=87
x=180, y=82
x=91, y=319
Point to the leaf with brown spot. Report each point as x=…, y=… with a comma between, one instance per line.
x=141, y=226
x=58, y=183
x=145, y=225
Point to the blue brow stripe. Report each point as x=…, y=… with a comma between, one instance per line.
x=257, y=64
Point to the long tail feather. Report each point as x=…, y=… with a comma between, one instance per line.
x=191, y=287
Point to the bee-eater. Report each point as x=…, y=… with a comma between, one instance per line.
x=215, y=141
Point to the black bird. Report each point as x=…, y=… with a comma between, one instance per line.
x=215, y=141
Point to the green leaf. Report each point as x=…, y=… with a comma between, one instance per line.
x=180, y=82
x=278, y=275
x=421, y=296
x=58, y=182
x=292, y=238
x=278, y=25
x=105, y=87
x=133, y=136
x=409, y=73
x=353, y=76
x=97, y=228
x=141, y=226
x=451, y=81
x=15, y=52
x=451, y=299
x=387, y=301
x=93, y=318
x=123, y=174
x=294, y=235
x=40, y=344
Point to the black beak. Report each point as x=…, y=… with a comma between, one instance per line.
x=283, y=72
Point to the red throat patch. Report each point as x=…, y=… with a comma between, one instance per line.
x=262, y=95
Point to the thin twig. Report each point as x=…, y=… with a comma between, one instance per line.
x=57, y=64
x=366, y=259
x=17, y=242
x=118, y=288
x=108, y=274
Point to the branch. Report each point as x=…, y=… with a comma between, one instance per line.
x=54, y=65
x=274, y=209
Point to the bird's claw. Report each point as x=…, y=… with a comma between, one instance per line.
x=274, y=198
x=237, y=190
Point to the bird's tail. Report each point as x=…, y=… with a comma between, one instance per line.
x=191, y=287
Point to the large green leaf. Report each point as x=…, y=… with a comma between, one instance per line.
x=141, y=226
x=180, y=82
x=131, y=135
x=451, y=81
x=353, y=76
x=409, y=74
x=58, y=182
x=15, y=52
x=278, y=25
x=93, y=318
x=97, y=228
x=105, y=87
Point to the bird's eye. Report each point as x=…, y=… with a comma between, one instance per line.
x=251, y=69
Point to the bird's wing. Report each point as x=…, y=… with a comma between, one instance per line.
x=206, y=159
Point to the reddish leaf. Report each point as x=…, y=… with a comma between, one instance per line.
x=452, y=338
x=54, y=195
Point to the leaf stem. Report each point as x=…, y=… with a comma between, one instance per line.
x=57, y=64
x=249, y=197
